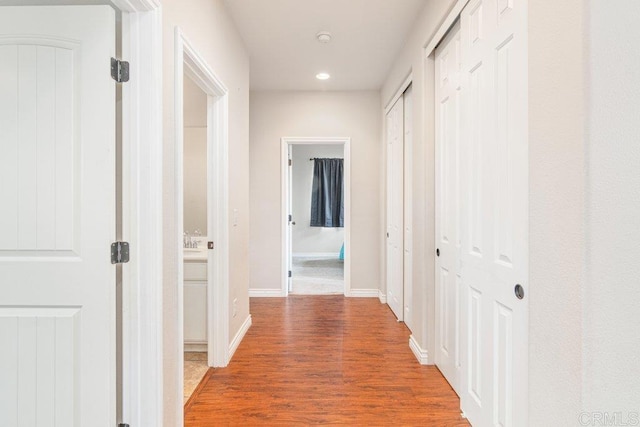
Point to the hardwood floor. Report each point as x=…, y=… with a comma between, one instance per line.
x=324, y=360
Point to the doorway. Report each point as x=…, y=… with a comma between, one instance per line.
x=316, y=211
x=399, y=255
x=197, y=266
x=317, y=234
x=195, y=234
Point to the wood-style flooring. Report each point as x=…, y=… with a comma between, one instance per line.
x=310, y=360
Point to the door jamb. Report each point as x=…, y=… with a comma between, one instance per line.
x=285, y=143
x=189, y=62
x=142, y=212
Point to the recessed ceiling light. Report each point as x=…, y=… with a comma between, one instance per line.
x=323, y=37
x=323, y=76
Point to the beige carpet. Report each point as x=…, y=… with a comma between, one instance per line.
x=317, y=276
x=195, y=366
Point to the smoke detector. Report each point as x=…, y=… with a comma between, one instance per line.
x=323, y=37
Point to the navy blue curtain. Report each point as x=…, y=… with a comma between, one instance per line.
x=327, y=194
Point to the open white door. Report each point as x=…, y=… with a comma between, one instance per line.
x=57, y=216
x=447, y=212
x=395, y=200
x=494, y=187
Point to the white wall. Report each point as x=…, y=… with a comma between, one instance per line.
x=307, y=239
x=584, y=211
x=209, y=28
x=411, y=60
x=195, y=179
x=556, y=209
x=611, y=307
x=314, y=114
x=195, y=158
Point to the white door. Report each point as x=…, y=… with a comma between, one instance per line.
x=494, y=187
x=447, y=207
x=395, y=200
x=57, y=216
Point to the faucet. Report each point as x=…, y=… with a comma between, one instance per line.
x=196, y=238
x=189, y=242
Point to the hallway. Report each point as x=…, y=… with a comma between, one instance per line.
x=322, y=360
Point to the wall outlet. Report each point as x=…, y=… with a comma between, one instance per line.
x=235, y=307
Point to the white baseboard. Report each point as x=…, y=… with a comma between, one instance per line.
x=263, y=293
x=420, y=353
x=195, y=347
x=239, y=336
x=363, y=293
x=317, y=255
x=383, y=297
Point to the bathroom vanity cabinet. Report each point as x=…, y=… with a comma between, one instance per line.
x=195, y=300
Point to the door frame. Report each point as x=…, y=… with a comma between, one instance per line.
x=286, y=143
x=188, y=62
x=142, y=356
x=407, y=204
x=142, y=219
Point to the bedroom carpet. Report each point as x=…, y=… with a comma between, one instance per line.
x=318, y=276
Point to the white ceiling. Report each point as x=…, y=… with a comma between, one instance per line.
x=285, y=55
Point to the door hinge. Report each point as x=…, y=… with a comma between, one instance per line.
x=123, y=425
x=119, y=252
x=290, y=273
x=290, y=162
x=210, y=245
x=290, y=218
x=119, y=70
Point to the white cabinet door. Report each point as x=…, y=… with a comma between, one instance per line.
x=57, y=216
x=447, y=280
x=195, y=312
x=494, y=188
x=395, y=200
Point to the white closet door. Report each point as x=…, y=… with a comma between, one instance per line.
x=395, y=200
x=408, y=208
x=494, y=227
x=57, y=216
x=447, y=291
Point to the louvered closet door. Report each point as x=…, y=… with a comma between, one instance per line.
x=447, y=292
x=57, y=216
x=494, y=227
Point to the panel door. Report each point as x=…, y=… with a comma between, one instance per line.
x=447, y=280
x=395, y=200
x=408, y=208
x=57, y=216
x=494, y=187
